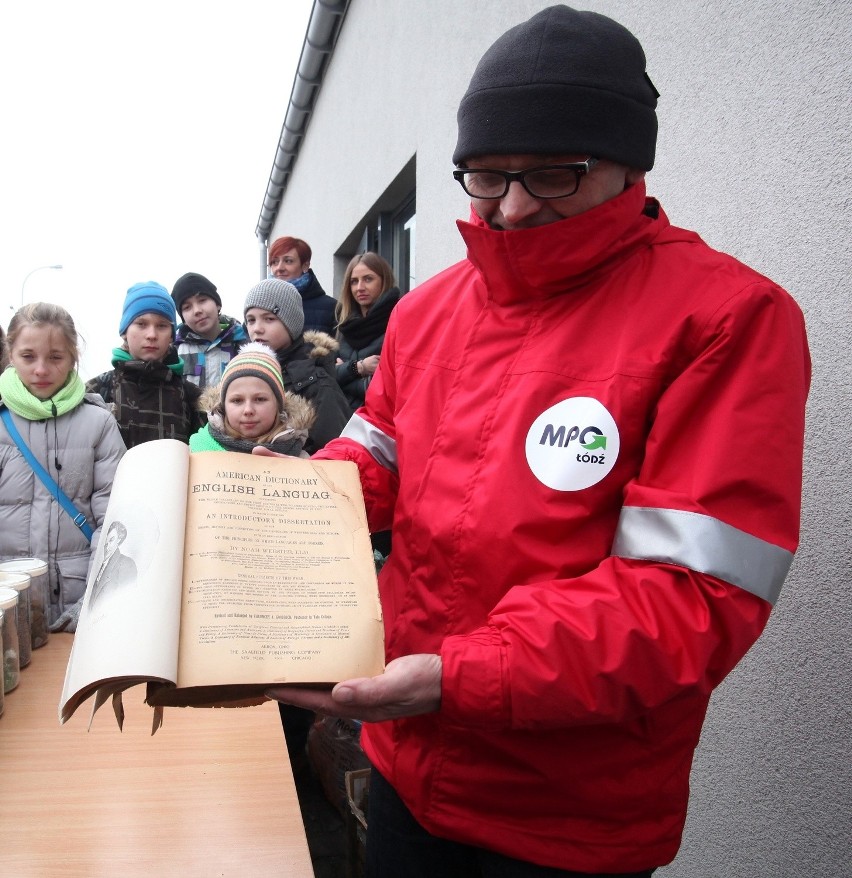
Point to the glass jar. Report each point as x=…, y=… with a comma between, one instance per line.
x=39, y=595
x=2, y=691
x=11, y=648
x=21, y=583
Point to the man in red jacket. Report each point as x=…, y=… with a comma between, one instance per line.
x=587, y=439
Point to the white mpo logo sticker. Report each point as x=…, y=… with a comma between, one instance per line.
x=573, y=445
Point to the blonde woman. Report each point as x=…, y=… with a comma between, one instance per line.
x=367, y=297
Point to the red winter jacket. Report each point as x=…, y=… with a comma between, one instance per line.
x=588, y=440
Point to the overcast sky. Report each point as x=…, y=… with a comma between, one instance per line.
x=136, y=144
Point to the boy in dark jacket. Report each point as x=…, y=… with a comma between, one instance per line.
x=273, y=314
x=146, y=389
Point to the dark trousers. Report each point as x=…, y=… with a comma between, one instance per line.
x=297, y=723
x=398, y=845
x=381, y=541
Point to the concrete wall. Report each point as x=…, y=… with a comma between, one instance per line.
x=753, y=154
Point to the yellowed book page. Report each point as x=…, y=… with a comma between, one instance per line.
x=129, y=622
x=279, y=581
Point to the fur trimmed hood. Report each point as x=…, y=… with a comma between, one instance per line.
x=322, y=343
x=298, y=413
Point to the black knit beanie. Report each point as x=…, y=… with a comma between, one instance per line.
x=562, y=82
x=190, y=284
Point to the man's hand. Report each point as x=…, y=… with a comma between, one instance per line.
x=410, y=686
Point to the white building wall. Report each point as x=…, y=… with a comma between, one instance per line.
x=753, y=154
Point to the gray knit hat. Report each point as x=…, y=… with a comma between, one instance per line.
x=282, y=299
x=562, y=82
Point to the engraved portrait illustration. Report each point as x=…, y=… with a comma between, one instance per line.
x=116, y=569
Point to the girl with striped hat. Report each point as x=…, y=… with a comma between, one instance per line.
x=250, y=407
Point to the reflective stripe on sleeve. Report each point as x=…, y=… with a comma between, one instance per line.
x=379, y=444
x=703, y=544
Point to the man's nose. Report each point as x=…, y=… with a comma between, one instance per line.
x=517, y=203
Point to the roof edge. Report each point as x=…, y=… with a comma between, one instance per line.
x=320, y=39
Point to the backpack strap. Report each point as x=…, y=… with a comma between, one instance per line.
x=55, y=491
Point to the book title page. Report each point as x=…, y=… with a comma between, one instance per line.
x=279, y=579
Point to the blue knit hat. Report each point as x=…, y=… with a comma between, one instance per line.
x=148, y=297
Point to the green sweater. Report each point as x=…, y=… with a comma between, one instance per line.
x=204, y=441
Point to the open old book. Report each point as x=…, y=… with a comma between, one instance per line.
x=219, y=574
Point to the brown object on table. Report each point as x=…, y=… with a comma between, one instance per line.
x=210, y=794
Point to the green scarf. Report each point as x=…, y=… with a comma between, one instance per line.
x=208, y=438
x=170, y=361
x=16, y=396
x=203, y=441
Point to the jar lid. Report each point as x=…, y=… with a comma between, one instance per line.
x=33, y=566
x=18, y=581
x=8, y=598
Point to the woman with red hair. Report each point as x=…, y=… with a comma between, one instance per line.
x=290, y=260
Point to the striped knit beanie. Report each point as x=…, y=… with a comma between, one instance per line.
x=255, y=360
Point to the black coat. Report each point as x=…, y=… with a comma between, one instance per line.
x=319, y=307
x=150, y=400
x=361, y=337
x=308, y=369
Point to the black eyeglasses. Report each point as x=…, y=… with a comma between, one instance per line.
x=545, y=181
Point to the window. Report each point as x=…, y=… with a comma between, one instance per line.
x=389, y=229
x=404, y=237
